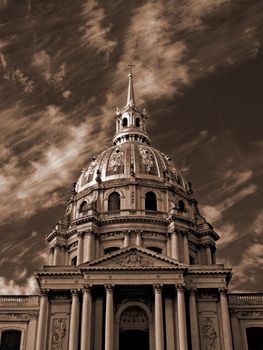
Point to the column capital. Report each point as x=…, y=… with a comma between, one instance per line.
x=180, y=287
x=87, y=288
x=192, y=290
x=184, y=233
x=74, y=292
x=223, y=291
x=44, y=292
x=81, y=234
x=109, y=288
x=157, y=287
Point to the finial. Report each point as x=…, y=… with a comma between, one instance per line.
x=130, y=96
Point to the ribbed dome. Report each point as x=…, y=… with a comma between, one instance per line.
x=131, y=159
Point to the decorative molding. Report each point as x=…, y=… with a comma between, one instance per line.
x=16, y=316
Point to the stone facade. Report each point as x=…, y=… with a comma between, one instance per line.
x=132, y=263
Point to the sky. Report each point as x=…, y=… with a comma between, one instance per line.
x=63, y=71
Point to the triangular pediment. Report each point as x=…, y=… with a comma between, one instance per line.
x=133, y=258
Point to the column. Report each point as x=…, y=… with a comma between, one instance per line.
x=225, y=320
x=89, y=246
x=182, y=332
x=168, y=244
x=199, y=260
x=86, y=319
x=109, y=318
x=56, y=254
x=74, y=321
x=158, y=317
x=51, y=256
x=139, y=238
x=175, y=246
x=80, y=249
x=42, y=321
x=194, y=320
x=169, y=323
x=186, y=248
x=126, y=240
x=98, y=323
x=208, y=255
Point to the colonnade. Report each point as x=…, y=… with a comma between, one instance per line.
x=180, y=312
x=173, y=249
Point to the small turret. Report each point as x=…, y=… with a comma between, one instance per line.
x=131, y=120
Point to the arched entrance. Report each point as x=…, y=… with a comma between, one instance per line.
x=134, y=329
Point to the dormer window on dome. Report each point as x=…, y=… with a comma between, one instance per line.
x=131, y=120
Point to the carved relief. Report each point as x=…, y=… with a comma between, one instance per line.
x=15, y=316
x=147, y=158
x=116, y=160
x=58, y=334
x=134, y=259
x=90, y=169
x=209, y=334
x=133, y=318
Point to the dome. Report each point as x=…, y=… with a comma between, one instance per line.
x=129, y=195
x=128, y=160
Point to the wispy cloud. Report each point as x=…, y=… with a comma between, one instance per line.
x=95, y=33
x=43, y=62
x=10, y=287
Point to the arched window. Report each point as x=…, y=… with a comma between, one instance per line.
x=191, y=260
x=114, y=202
x=74, y=261
x=150, y=201
x=83, y=207
x=124, y=122
x=254, y=338
x=10, y=340
x=181, y=206
x=137, y=122
x=110, y=250
x=155, y=249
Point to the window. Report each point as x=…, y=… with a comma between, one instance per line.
x=10, y=340
x=137, y=122
x=110, y=250
x=114, y=202
x=181, y=206
x=155, y=249
x=83, y=207
x=74, y=261
x=124, y=122
x=150, y=201
x=191, y=260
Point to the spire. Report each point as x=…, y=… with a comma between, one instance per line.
x=130, y=96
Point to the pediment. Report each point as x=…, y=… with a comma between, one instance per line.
x=133, y=258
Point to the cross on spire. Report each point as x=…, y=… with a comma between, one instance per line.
x=130, y=96
x=130, y=67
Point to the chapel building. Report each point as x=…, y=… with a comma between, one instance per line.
x=132, y=263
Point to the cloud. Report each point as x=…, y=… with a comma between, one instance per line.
x=43, y=62
x=95, y=33
x=192, y=12
x=236, y=178
x=250, y=265
x=228, y=234
x=212, y=214
x=9, y=287
x=159, y=60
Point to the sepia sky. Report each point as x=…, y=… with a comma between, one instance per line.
x=63, y=71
